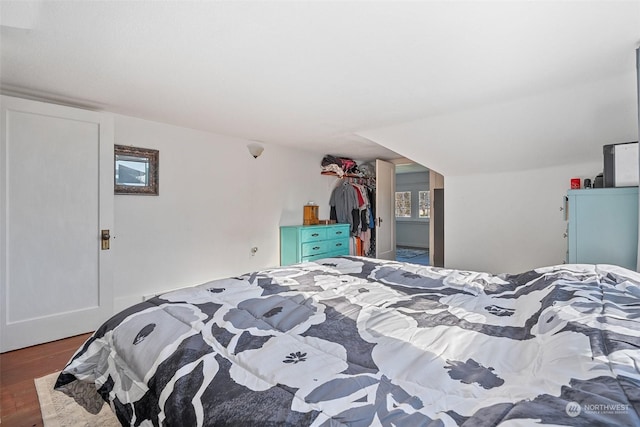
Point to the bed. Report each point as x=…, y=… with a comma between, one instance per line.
x=358, y=342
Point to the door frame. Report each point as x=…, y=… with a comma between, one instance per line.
x=385, y=208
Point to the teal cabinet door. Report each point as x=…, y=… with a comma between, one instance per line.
x=603, y=226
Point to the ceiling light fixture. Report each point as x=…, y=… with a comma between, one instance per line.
x=255, y=150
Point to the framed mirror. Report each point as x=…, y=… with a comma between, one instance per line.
x=136, y=170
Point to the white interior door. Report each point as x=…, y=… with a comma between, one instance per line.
x=385, y=210
x=56, y=197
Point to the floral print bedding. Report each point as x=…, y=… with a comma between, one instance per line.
x=357, y=342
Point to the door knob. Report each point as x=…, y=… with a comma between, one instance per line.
x=105, y=235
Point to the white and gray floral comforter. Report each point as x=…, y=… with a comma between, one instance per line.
x=358, y=342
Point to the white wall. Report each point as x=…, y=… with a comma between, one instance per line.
x=412, y=233
x=216, y=202
x=508, y=222
x=502, y=189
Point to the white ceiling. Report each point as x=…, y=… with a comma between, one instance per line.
x=315, y=75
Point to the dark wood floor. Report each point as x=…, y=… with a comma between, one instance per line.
x=19, y=405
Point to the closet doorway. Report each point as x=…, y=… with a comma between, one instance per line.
x=417, y=241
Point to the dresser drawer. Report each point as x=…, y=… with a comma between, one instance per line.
x=314, y=248
x=314, y=257
x=337, y=232
x=325, y=247
x=337, y=245
x=313, y=234
x=336, y=253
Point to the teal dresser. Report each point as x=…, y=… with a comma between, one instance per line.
x=603, y=226
x=300, y=243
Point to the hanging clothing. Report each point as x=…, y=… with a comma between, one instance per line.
x=343, y=202
x=371, y=194
x=363, y=206
x=353, y=203
x=366, y=242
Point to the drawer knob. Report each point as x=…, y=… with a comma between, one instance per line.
x=338, y=244
x=315, y=234
x=315, y=248
x=338, y=232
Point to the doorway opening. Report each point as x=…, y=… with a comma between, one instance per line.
x=417, y=241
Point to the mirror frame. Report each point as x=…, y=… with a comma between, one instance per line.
x=152, y=156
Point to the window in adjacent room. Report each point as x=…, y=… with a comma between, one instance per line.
x=424, y=204
x=403, y=204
